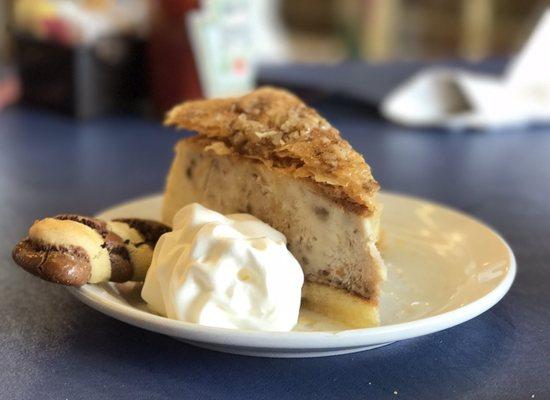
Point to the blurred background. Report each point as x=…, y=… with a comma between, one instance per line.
x=86, y=58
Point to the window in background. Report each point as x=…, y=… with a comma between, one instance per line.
x=382, y=30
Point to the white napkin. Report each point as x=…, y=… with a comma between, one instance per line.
x=457, y=99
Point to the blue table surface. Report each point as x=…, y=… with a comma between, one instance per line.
x=54, y=347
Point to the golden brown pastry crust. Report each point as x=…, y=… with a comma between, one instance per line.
x=276, y=128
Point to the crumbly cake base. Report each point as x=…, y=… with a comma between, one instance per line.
x=340, y=305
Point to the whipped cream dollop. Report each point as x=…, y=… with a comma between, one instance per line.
x=229, y=271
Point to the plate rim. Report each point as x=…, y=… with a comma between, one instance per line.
x=317, y=340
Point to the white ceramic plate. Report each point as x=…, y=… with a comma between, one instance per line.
x=444, y=268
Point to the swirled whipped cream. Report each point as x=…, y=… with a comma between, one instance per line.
x=229, y=271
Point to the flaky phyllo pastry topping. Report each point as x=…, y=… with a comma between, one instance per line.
x=276, y=128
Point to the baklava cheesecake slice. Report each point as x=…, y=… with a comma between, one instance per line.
x=269, y=155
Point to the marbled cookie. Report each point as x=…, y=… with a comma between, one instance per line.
x=74, y=250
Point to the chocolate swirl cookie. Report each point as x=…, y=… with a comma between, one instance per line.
x=74, y=250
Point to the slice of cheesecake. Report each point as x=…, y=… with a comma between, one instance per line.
x=270, y=155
